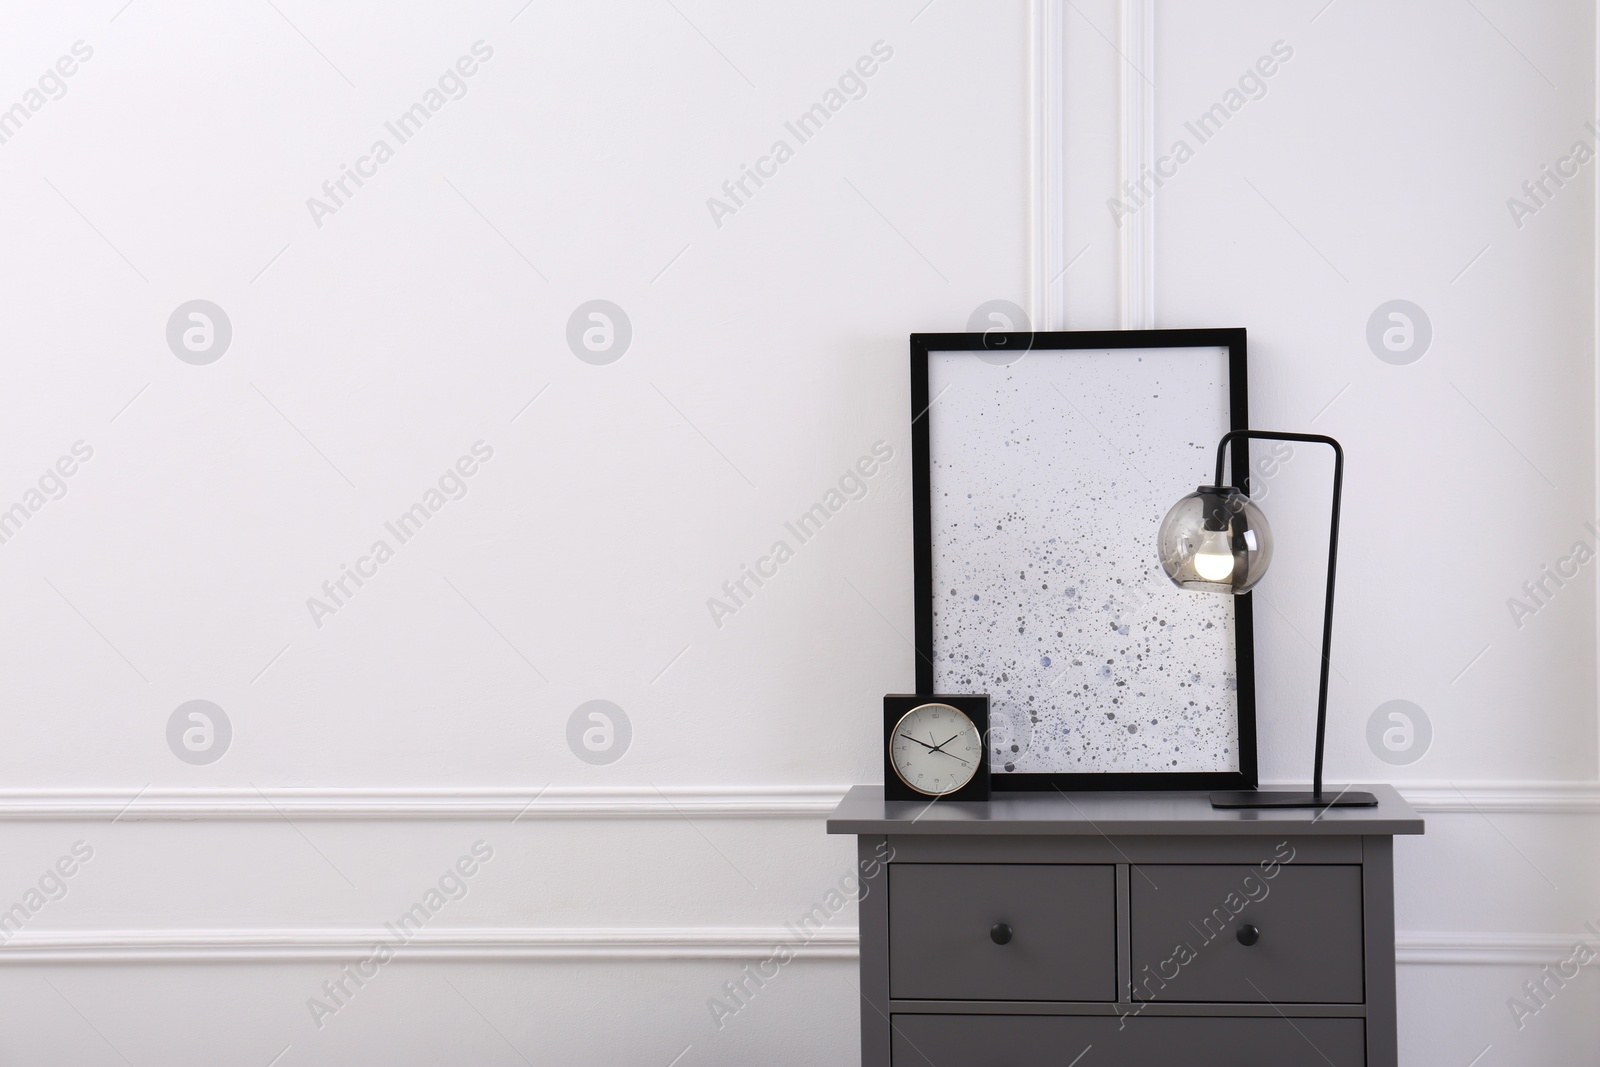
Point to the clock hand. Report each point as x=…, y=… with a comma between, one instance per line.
x=939, y=748
x=924, y=744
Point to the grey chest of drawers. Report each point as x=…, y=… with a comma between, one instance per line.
x=1132, y=930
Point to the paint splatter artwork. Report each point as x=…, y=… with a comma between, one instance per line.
x=1050, y=476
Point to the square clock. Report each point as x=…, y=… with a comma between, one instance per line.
x=935, y=747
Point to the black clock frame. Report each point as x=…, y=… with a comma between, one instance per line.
x=1231, y=339
x=974, y=706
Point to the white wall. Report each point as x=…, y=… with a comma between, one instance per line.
x=767, y=355
x=369, y=754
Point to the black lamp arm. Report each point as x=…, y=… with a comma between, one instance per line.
x=1333, y=557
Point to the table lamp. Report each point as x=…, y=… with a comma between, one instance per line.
x=1216, y=540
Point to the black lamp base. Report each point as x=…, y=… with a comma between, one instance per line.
x=1254, y=798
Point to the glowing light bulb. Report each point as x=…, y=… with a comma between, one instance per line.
x=1214, y=560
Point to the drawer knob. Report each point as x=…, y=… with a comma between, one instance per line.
x=1248, y=934
x=1000, y=934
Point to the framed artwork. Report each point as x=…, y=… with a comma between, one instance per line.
x=1043, y=464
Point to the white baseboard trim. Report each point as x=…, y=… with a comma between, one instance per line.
x=630, y=802
x=344, y=944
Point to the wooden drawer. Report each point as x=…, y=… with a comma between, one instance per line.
x=1057, y=1040
x=1186, y=920
x=1063, y=926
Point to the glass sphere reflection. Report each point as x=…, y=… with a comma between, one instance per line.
x=1215, y=540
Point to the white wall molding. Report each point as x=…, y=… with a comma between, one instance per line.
x=1047, y=165
x=632, y=802
x=345, y=943
x=1509, y=798
x=1137, y=102
x=1594, y=327
x=287, y=945
x=528, y=803
x=1483, y=950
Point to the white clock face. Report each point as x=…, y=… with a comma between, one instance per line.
x=935, y=749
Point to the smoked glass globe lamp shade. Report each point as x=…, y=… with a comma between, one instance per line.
x=1215, y=540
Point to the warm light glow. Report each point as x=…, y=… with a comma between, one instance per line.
x=1214, y=560
x=1215, y=540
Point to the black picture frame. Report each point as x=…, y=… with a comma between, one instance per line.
x=995, y=344
x=974, y=706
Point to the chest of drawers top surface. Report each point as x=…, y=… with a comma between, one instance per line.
x=864, y=811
